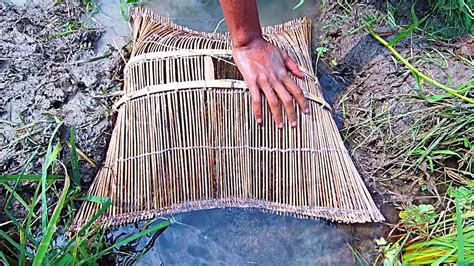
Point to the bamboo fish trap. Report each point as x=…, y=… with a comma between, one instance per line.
x=185, y=137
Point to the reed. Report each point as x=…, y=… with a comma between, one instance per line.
x=185, y=137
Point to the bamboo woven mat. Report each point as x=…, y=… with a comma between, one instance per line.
x=185, y=137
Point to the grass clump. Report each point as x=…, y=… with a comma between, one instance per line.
x=430, y=237
x=445, y=19
x=438, y=147
x=36, y=234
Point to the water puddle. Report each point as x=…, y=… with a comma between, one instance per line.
x=201, y=15
x=240, y=236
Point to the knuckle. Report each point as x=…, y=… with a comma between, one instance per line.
x=288, y=101
x=299, y=93
x=255, y=100
x=263, y=79
x=273, y=102
x=281, y=73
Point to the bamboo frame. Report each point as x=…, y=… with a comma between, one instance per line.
x=185, y=137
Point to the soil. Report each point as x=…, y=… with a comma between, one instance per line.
x=370, y=82
x=44, y=74
x=61, y=76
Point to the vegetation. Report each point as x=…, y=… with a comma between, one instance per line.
x=39, y=236
x=439, y=147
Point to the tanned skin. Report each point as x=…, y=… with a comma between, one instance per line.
x=264, y=67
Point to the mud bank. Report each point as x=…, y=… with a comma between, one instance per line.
x=373, y=86
x=48, y=67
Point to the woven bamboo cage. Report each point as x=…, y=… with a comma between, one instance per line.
x=185, y=137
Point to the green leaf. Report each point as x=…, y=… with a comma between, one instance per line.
x=466, y=142
x=459, y=234
x=51, y=228
x=437, y=97
x=300, y=3
x=26, y=177
x=445, y=257
x=15, y=244
x=463, y=89
x=127, y=240
x=4, y=259
x=445, y=152
x=16, y=195
x=430, y=163
x=51, y=156
x=106, y=203
x=67, y=259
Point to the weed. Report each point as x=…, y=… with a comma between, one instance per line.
x=38, y=236
x=124, y=6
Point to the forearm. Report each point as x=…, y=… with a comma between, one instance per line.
x=242, y=20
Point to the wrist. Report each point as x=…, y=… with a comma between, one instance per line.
x=247, y=40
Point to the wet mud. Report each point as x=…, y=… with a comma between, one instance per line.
x=49, y=68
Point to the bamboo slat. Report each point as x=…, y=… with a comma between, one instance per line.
x=185, y=137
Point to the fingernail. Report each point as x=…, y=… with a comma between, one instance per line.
x=259, y=120
x=280, y=125
x=293, y=124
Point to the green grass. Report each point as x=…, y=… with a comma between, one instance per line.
x=445, y=19
x=36, y=235
x=450, y=238
x=437, y=148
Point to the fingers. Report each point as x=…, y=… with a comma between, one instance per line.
x=296, y=92
x=291, y=65
x=273, y=102
x=287, y=101
x=256, y=101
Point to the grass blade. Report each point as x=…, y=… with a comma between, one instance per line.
x=50, y=156
x=300, y=3
x=4, y=259
x=415, y=70
x=405, y=33
x=16, y=195
x=51, y=228
x=26, y=177
x=459, y=233
x=128, y=239
x=106, y=204
x=15, y=244
x=74, y=161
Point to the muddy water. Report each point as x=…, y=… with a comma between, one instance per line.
x=202, y=15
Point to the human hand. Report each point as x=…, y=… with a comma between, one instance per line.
x=265, y=67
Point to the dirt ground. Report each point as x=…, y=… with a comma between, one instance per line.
x=371, y=82
x=48, y=67
x=45, y=73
